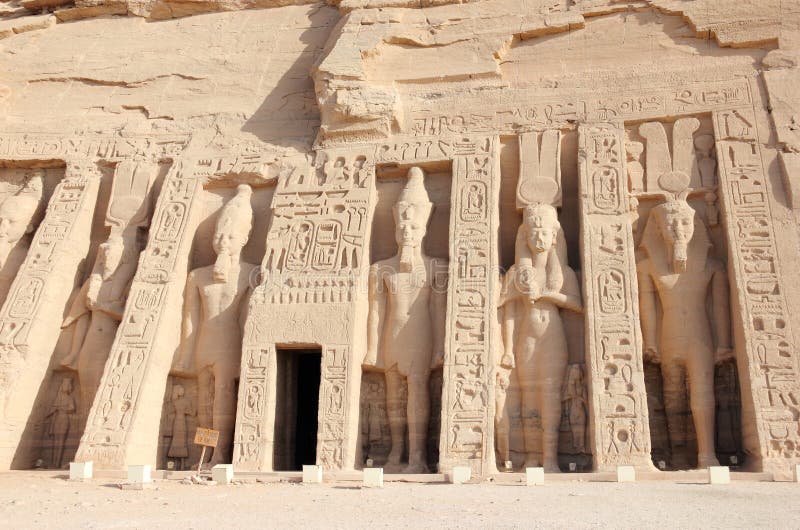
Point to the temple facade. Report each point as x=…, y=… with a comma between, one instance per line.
x=495, y=234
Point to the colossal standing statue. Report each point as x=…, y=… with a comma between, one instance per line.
x=97, y=309
x=16, y=220
x=536, y=288
x=678, y=275
x=405, y=337
x=214, y=312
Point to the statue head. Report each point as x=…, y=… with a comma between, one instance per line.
x=675, y=220
x=233, y=229
x=178, y=392
x=412, y=211
x=16, y=214
x=66, y=386
x=110, y=254
x=541, y=226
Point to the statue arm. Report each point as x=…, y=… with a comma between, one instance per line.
x=78, y=307
x=722, y=313
x=438, y=314
x=570, y=295
x=648, y=311
x=509, y=311
x=189, y=321
x=377, y=309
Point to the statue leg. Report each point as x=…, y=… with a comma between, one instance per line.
x=397, y=418
x=419, y=412
x=530, y=423
x=224, y=413
x=553, y=365
x=205, y=396
x=701, y=401
x=93, y=355
x=674, y=388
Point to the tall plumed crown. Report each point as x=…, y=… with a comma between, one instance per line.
x=237, y=212
x=413, y=202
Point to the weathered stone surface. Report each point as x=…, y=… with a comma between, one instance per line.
x=411, y=235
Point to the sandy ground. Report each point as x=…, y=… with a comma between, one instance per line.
x=47, y=500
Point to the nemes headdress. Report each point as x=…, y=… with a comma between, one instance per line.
x=413, y=202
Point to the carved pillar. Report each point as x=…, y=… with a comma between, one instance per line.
x=619, y=426
x=123, y=423
x=30, y=319
x=766, y=350
x=467, y=423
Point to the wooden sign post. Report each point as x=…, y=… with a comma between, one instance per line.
x=206, y=438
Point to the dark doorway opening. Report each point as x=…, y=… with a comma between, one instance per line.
x=297, y=407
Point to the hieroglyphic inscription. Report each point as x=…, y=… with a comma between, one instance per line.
x=771, y=362
x=15, y=146
x=333, y=407
x=621, y=432
x=156, y=286
x=560, y=113
x=38, y=296
x=248, y=443
x=466, y=411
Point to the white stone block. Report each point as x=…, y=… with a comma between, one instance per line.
x=534, y=476
x=797, y=473
x=373, y=477
x=460, y=474
x=139, y=474
x=222, y=473
x=80, y=470
x=312, y=474
x=719, y=475
x=626, y=474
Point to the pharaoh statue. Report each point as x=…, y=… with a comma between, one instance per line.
x=405, y=337
x=535, y=290
x=214, y=311
x=676, y=278
x=16, y=219
x=97, y=309
x=60, y=419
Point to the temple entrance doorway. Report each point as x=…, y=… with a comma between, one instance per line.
x=297, y=407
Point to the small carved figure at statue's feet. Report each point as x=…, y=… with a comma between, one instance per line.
x=705, y=461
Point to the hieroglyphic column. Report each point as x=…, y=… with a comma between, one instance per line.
x=619, y=425
x=767, y=354
x=311, y=293
x=30, y=320
x=123, y=423
x=468, y=383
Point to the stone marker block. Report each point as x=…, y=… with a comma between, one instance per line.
x=797, y=473
x=312, y=474
x=719, y=475
x=626, y=474
x=139, y=474
x=80, y=470
x=373, y=477
x=222, y=473
x=460, y=474
x=534, y=476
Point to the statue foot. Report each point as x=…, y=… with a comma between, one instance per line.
x=531, y=461
x=705, y=461
x=415, y=468
x=551, y=466
x=393, y=467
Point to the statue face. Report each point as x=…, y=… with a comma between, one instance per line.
x=228, y=242
x=678, y=226
x=12, y=225
x=542, y=225
x=111, y=254
x=409, y=233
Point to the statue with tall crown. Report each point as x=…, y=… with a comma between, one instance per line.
x=678, y=281
x=405, y=336
x=214, y=312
